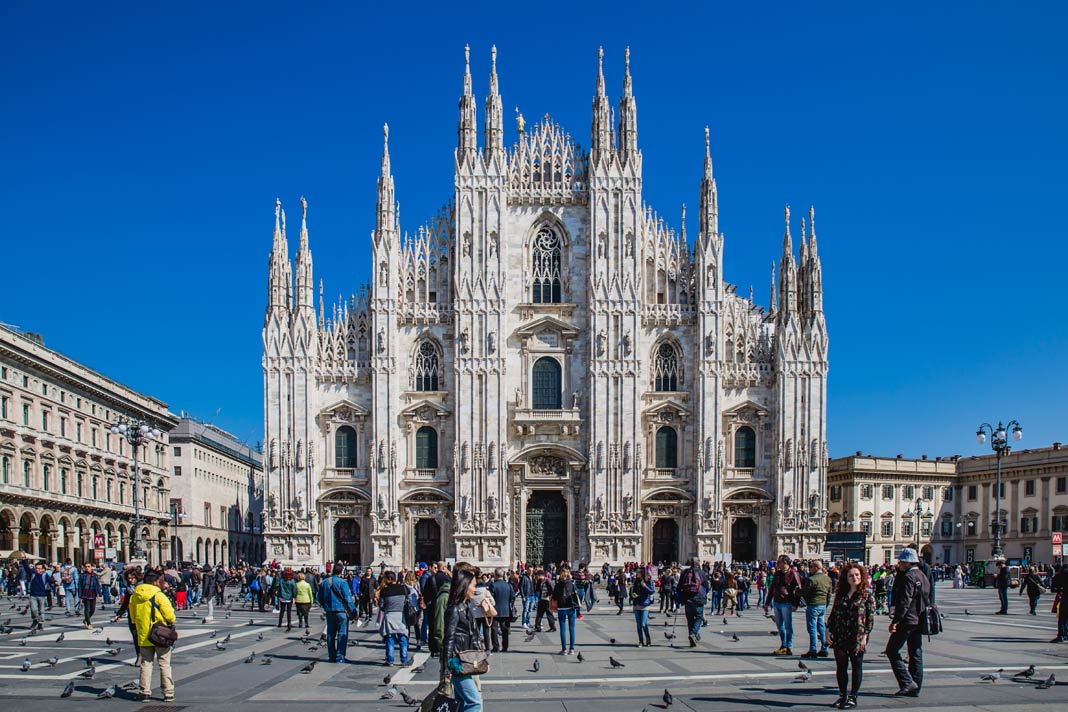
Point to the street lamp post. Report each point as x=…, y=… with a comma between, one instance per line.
x=137, y=432
x=919, y=509
x=999, y=442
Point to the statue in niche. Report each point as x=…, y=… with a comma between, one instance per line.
x=464, y=336
x=272, y=505
x=381, y=341
x=300, y=454
x=491, y=343
x=626, y=343
x=602, y=341
x=382, y=512
x=598, y=508
x=298, y=504
x=574, y=400
x=463, y=508
x=814, y=505
x=628, y=501
x=518, y=397
x=493, y=244
x=630, y=244
x=602, y=245
x=467, y=244
x=720, y=455
x=788, y=454
x=274, y=453
x=786, y=504
x=491, y=507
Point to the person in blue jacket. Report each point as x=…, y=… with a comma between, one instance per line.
x=335, y=597
x=641, y=597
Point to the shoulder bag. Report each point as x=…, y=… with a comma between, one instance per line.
x=161, y=635
x=472, y=662
x=930, y=619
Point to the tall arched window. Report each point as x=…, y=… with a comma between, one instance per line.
x=5, y=469
x=426, y=367
x=667, y=448
x=546, y=263
x=744, y=447
x=666, y=369
x=426, y=448
x=546, y=384
x=345, y=447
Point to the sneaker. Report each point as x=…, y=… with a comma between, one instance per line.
x=144, y=698
x=570, y=651
x=168, y=698
x=562, y=652
x=850, y=703
x=822, y=653
x=781, y=650
x=693, y=642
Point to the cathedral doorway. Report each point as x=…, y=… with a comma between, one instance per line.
x=546, y=528
x=347, y=541
x=427, y=541
x=665, y=541
x=744, y=540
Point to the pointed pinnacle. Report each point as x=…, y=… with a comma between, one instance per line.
x=600, y=71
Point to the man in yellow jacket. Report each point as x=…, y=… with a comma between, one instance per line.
x=144, y=614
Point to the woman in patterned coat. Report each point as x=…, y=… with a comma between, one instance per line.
x=848, y=628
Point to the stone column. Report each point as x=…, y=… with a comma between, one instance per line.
x=1044, y=514
x=32, y=545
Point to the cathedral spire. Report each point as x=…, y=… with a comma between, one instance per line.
x=321, y=306
x=814, y=278
x=628, y=115
x=601, y=138
x=494, y=112
x=787, y=275
x=771, y=298
x=304, y=280
x=386, y=222
x=709, y=198
x=683, y=222
x=467, y=137
x=279, y=278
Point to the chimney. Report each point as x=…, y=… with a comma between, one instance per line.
x=1056, y=446
x=923, y=457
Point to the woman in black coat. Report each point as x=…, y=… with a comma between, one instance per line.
x=1034, y=587
x=459, y=635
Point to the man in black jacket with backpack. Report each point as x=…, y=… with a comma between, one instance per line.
x=693, y=592
x=911, y=597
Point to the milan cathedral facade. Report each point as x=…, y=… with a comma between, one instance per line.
x=544, y=371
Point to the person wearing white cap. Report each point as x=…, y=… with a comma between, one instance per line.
x=911, y=595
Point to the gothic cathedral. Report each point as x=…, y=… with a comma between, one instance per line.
x=544, y=371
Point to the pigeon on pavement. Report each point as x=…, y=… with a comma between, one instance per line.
x=408, y=699
x=537, y=665
x=61, y=637
x=669, y=636
x=22, y=642
x=1049, y=682
x=88, y=673
x=213, y=633
x=387, y=679
x=219, y=646
x=801, y=665
x=251, y=622
x=308, y=668
x=267, y=660
x=107, y=694
x=389, y=694
x=26, y=665
x=259, y=637
x=734, y=637
x=52, y=661
x=1028, y=673
x=615, y=663
x=108, y=641
x=251, y=657
x=417, y=670
x=804, y=677
x=226, y=639
x=724, y=620
x=68, y=690
x=668, y=699
x=993, y=676
x=113, y=651
x=580, y=658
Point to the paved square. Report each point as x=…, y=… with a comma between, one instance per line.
x=720, y=674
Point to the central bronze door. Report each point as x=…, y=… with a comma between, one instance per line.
x=546, y=528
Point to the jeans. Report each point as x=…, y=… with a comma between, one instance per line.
x=465, y=690
x=70, y=600
x=717, y=601
x=1062, y=618
x=641, y=622
x=743, y=600
x=391, y=641
x=530, y=605
x=695, y=616
x=784, y=621
x=816, y=627
x=37, y=604
x=1003, y=596
x=568, y=616
x=906, y=675
x=761, y=593
x=106, y=592
x=337, y=635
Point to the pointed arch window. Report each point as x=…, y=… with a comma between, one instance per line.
x=546, y=390
x=427, y=368
x=345, y=448
x=744, y=447
x=426, y=448
x=546, y=267
x=667, y=373
x=667, y=448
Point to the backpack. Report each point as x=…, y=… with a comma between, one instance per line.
x=65, y=577
x=690, y=583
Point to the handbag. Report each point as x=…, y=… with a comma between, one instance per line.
x=161, y=635
x=930, y=619
x=440, y=701
x=473, y=662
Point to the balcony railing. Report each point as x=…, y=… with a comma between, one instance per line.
x=425, y=474
x=746, y=473
x=671, y=474
x=336, y=474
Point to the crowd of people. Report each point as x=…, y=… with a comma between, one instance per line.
x=462, y=614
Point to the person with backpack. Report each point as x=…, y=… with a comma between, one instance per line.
x=784, y=595
x=911, y=597
x=68, y=582
x=89, y=591
x=336, y=601
x=693, y=593
x=565, y=596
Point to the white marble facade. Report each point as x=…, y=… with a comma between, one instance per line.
x=544, y=370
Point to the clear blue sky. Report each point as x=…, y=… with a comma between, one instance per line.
x=142, y=149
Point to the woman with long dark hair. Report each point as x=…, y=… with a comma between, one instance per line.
x=848, y=628
x=459, y=635
x=567, y=606
x=641, y=597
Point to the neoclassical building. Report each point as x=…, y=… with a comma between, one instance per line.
x=545, y=370
x=65, y=479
